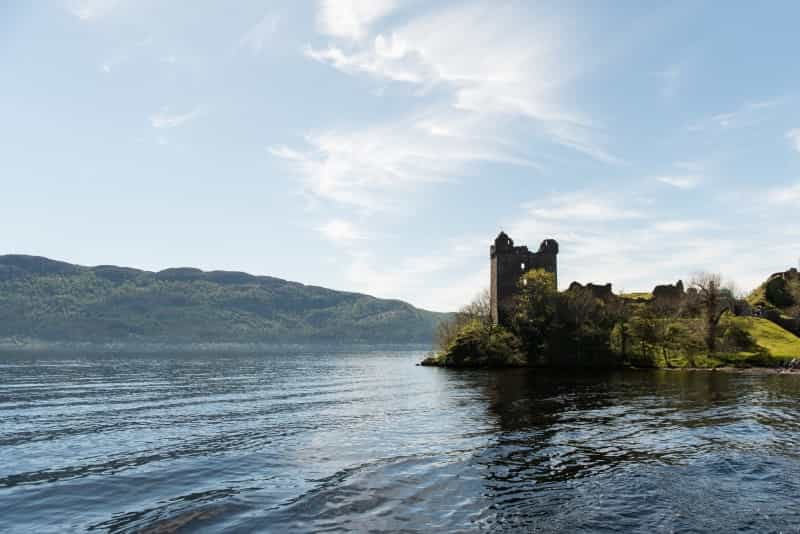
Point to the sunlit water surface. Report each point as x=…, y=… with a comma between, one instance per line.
x=336, y=441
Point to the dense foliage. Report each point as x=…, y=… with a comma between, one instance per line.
x=50, y=300
x=578, y=327
x=778, y=294
x=478, y=344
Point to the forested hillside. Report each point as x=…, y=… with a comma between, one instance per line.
x=56, y=301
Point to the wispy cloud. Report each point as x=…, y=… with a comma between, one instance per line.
x=164, y=119
x=793, y=136
x=683, y=226
x=597, y=245
x=371, y=168
x=88, y=10
x=477, y=72
x=340, y=231
x=657, y=249
x=112, y=63
x=257, y=37
x=483, y=51
x=785, y=196
x=662, y=245
x=411, y=278
x=126, y=53
x=748, y=114
x=679, y=182
x=351, y=19
x=581, y=206
x=382, y=62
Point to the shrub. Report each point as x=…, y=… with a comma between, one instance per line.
x=477, y=310
x=779, y=293
x=736, y=339
x=480, y=345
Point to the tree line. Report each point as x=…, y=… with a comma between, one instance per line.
x=575, y=327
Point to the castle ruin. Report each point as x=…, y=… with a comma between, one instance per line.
x=508, y=264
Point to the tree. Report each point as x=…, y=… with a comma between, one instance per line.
x=670, y=332
x=534, y=309
x=643, y=327
x=619, y=311
x=710, y=295
x=480, y=345
x=585, y=320
x=477, y=311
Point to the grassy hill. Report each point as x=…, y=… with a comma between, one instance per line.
x=778, y=342
x=56, y=301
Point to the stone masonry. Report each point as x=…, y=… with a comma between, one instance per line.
x=508, y=264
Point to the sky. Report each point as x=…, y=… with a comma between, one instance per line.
x=379, y=146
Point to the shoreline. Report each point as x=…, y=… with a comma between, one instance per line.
x=721, y=369
x=738, y=370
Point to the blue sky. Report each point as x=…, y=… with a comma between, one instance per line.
x=380, y=145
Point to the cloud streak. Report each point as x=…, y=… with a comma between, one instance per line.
x=581, y=206
x=412, y=277
x=351, y=19
x=679, y=182
x=476, y=71
x=748, y=114
x=164, y=119
x=483, y=52
x=259, y=36
x=785, y=196
x=599, y=245
x=597, y=248
x=89, y=10
x=340, y=231
x=371, y=168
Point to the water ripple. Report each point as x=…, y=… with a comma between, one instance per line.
x=364, y=440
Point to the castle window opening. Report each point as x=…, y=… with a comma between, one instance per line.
x=522, y=266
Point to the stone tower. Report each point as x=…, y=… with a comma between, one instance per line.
x=508, y=263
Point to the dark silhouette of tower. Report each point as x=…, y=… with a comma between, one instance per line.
x=508, y=264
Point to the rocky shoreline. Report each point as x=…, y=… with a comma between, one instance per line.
x=792, y=367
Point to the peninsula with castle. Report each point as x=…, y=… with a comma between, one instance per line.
x=524, y=320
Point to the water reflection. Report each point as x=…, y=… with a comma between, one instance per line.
x=626, y=437
x=358, y=440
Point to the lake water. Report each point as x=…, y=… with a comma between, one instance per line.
x=363, y=440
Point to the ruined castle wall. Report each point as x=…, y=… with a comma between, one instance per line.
x=508, y=264
x=509, y=269
x=493, y=300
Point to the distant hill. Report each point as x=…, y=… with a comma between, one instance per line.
x=56, y=301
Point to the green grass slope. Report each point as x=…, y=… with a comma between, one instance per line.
x=639, y=295
x=780, y=343
x=56, y=301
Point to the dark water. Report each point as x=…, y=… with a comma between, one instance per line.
x=366, y=441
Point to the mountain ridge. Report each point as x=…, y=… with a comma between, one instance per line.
x=43, y=298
